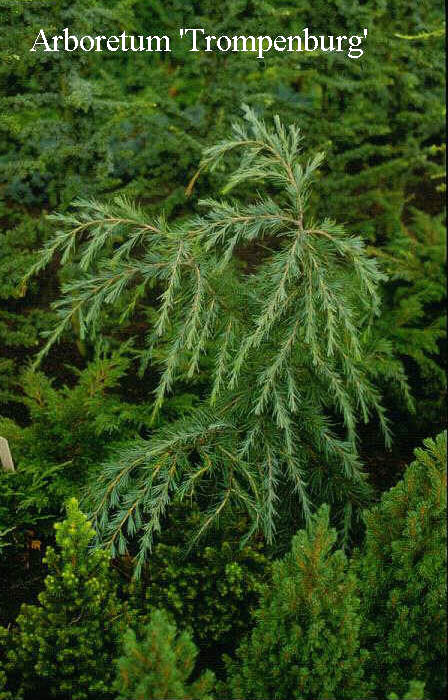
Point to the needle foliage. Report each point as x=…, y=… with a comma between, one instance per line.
x=403, y=577
x=158, y=666
x=306, y=641
x=64, y=643
x=291, y=342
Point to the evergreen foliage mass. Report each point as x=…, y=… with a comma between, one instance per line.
x=64, y=644
x=70, y=430
x=414, y=318
x=415, y=692
x=158, y=666
x=326, y=626
x=57, y=116
x=214, y=589
x=403, y=577
x=306, y=641
x=235, y=362
x=73, y=425
x=93, y=123
x=292, y=343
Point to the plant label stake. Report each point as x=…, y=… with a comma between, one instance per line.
x=5, y=456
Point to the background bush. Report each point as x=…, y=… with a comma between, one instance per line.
x=403, y=575
x=211, y=589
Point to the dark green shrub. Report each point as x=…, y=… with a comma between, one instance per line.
x=158, y=666
x=414, y=320
x=74, y=423
x=63, y=646
x=403, y=577
x=211, y=589
x=56, y=133
x=305, y=645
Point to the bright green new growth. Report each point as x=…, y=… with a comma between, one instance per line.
x=158, y=666
x=291, y=342
x=306, y=641
x=403, y=574
x=67, y=641
x=416, y=692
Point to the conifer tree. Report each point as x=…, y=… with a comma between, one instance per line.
x=70, y=431
x=305, y=645
x=64, y=645
x=290, y=342
x=403, y=577
x=158, y=666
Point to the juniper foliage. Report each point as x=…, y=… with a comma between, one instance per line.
x=290, y=342
x=70, y=430
x=58, y=113
x=4, y=694
x=414, y=317
x=93, y=123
